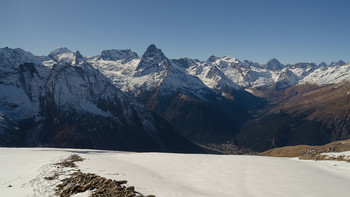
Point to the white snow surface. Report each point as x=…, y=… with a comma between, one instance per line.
x=328, y=75
x=164, y=174
x=346, y=153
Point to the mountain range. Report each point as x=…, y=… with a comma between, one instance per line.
x=118, y=100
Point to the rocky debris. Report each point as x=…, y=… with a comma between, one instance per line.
x=50, y=178
x=69, y=162
x=79, y=182
x=317, y=155
x=101, y=187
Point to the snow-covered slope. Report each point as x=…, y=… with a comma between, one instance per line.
x=11, y=58
x=197, y=97
x=180, y=90
x=131, y=73
x=176, y=175
x=71, y=104
x=328, y=75
x=144, y=74
x=134, y=74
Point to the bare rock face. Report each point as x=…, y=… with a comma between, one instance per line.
x=115, y=55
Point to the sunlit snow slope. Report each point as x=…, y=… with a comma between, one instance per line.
x=169, y=175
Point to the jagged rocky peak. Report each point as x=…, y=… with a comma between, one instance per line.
x=338, y=63
x=184, y=62
x=274, y=64
x=248, y=64
x=115, y=55
x=304, y=65
x=14, y=57
x=78, y=57
x=214, y=72
x=153, y=52
x=62, y=54
x=229, y=58
x=78, y=54
x=322, y=64
x=286, y=79
x=153, y=60
x=60, y=50
x=212, y=58
x=7, y=52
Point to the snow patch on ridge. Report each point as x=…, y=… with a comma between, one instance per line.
x=330, y=75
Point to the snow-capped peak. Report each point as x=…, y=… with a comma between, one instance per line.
x=222, y=62
x=62, y=54
x=184, y=62
x=153, y=60
x=212, y=58
x=322, y=64
x=338, y=63
x=153, y=52
x=13, y=57
x=274, y=64
x=60, y=50
x=228, y=58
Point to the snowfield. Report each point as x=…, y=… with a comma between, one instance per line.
x=169, y=175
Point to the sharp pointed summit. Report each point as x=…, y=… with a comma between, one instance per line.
x=62, y=54
x=338, y=63
x=212, y=58
x=274, y=64
x=153, y=52
x=153, y=60
x=78, y=57
x=60, y=50
x=322, y=64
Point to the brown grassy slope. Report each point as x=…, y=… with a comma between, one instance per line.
x=296, y=151
x=302, y=114
x=329, y=105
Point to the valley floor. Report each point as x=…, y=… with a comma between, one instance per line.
x=22, y=173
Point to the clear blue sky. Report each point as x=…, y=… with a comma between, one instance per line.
x=258, y=30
